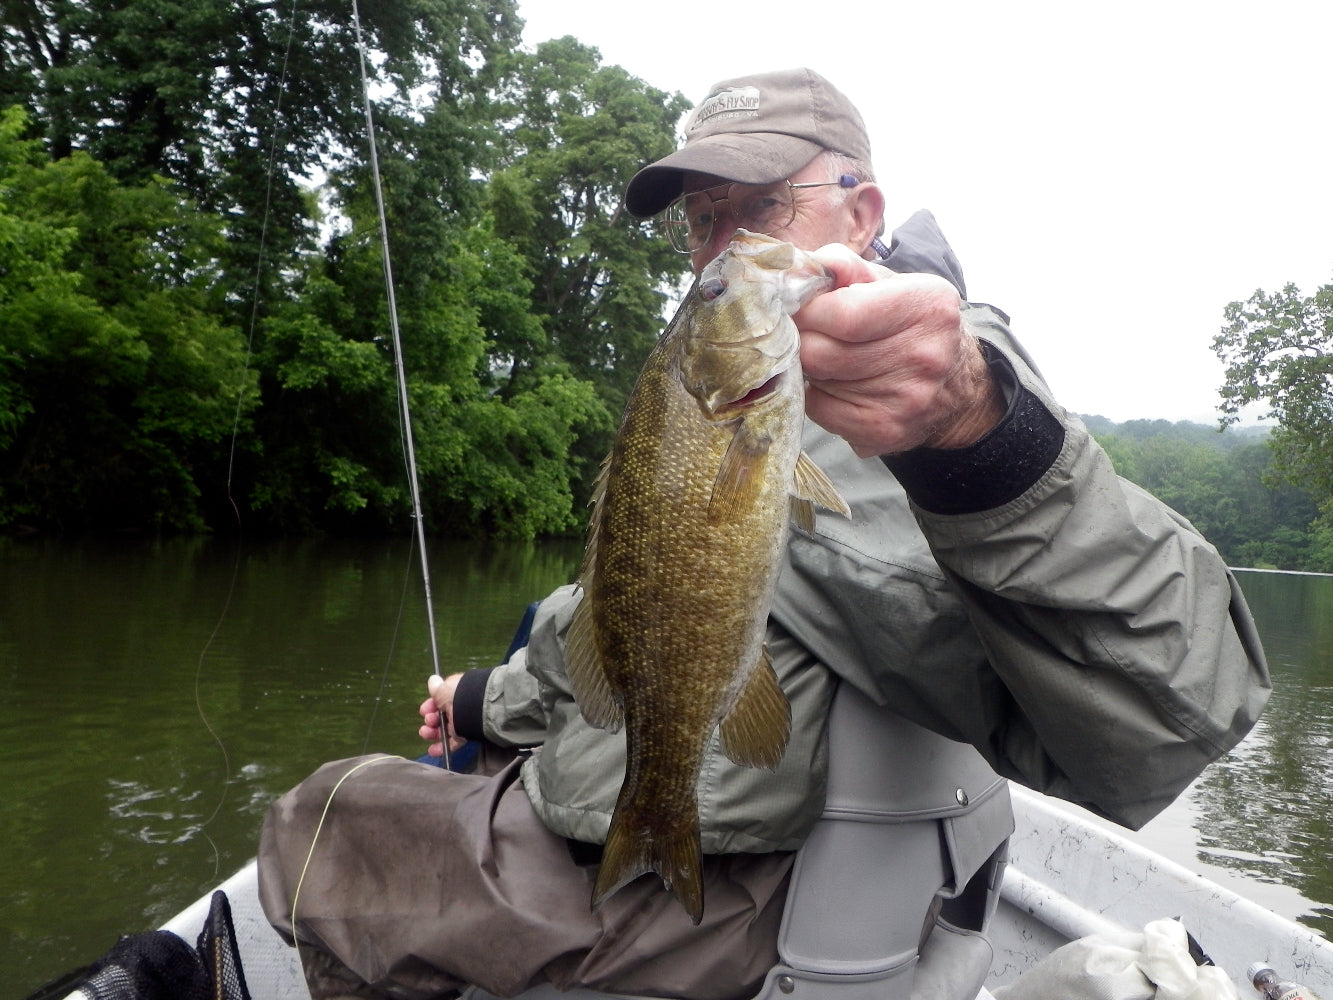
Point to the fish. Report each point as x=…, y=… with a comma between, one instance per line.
x=685, y=542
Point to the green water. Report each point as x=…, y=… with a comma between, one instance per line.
x=119, y=806
x=1267, y=809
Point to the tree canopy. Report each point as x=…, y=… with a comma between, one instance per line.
x=1278, y=353
x=1223, y=484
x=194, y=329
x=195, y=325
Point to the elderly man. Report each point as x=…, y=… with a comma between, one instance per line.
x=996, y=585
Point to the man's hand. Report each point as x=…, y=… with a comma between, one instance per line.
x=888, y=362
x=440, y=705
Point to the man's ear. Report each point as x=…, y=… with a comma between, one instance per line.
x=867, y=208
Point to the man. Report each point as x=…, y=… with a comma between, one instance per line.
x=997, y=584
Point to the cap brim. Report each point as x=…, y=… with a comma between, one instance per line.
x=749, y=157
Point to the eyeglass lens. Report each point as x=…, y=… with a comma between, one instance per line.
x=689, y=220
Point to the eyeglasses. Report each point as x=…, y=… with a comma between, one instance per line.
x=688, y=220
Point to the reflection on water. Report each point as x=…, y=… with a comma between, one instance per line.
x=1265, y=810
x=120, y=806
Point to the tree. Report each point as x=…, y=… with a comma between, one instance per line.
x=1278, y=350
x=488, y=464
x=578, y=131
x=1222, y=484
x=238, y=102
x=160, y=225
x=117, y=379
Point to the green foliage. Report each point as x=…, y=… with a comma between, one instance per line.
x=238, y=101
x=1182, y=430
x=1278, y=352
x=1321, y=541
x=1222, y=483
x=116, y=376
x=600, y=284
x=579, y=133
x=189, y=328
x=508, y=471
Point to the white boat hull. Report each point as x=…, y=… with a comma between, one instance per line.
x=1067, y=878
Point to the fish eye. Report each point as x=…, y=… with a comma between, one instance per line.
x=711, y=288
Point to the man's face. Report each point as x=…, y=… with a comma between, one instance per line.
x=823, y=214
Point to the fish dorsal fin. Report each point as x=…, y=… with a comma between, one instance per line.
x=595, y=521
x=587, y=676
x=740, y=476
x=754, y=733
x=810, y=484
x=583, y=661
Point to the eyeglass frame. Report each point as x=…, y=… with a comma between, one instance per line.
x=673, y=227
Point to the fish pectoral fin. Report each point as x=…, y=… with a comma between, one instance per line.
x=809, y=483
x=740, y=477
x=587, y=676
x=754, y=733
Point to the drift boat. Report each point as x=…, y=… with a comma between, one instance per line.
x=1065, y=878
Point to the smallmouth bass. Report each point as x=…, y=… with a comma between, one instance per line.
x=683, y=554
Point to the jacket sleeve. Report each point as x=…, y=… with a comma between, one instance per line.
x=512, y=711
x=506, y=704
x=1082, y=635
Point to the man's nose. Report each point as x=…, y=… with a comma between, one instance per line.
x=723, y=230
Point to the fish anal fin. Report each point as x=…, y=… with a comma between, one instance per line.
x=675, y=855
x=754, y=733
x=740, y=476
x=587, y=676
x=803, y=515
x=810, y=483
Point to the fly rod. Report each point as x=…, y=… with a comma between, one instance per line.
x=400, y=371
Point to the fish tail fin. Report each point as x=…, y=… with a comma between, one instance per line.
x=674, y=855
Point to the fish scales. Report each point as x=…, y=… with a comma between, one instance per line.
x=684, y=548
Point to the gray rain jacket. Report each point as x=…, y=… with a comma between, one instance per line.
x=1016, y=595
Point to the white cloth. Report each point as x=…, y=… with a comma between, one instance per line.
x=1152, y=965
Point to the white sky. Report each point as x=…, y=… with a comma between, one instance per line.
x=1110, y=174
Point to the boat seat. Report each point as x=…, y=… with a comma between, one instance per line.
x=891, y=894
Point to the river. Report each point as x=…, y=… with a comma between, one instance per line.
x=158, y=694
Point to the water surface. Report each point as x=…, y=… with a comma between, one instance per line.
x=118, y=658
x=157, y=696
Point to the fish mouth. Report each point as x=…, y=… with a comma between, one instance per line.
x=758, y=394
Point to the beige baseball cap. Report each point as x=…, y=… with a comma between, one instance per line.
x=756, y=130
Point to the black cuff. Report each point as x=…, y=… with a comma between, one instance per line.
x=469, y=699
x=999, y=468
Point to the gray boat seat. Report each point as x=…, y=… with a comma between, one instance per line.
x=891, y=894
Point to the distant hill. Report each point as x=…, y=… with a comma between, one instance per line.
x=1184, y=430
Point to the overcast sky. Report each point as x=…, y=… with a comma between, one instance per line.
x=1110, y=174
